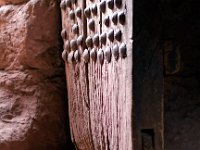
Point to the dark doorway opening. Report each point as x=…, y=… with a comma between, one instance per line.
x=167, y=74
x=181, y=34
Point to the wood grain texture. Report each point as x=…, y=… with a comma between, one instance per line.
x=77, y=87
x=101, y=96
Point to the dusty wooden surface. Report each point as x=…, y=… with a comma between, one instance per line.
x=100, y=95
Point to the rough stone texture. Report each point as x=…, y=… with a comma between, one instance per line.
x=32, y=83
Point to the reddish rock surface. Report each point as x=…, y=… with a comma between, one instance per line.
x=4, y=2
x=32, y=80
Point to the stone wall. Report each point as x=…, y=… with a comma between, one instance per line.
x=32, y=78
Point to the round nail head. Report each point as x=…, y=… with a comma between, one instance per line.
x=87, y=12
x=123, y=50
x=100, y=56
x=96, y=40
x=80, y=40
x=91, y=24
x=107, y=21
x=64, y=55
x=64, y=34
x=76, y=56
x=111, y=35
x=103, y=38
x=102, y=6
x=74, y=1
x=93, y=54
x=94, y=9
x=78, y=12
x=110, y=4
x=118, y=3
x=116, y=52
x=68, y=3
x=118, y=35
x=89, y=41
x=70, y=57
x=67, y=45
x=63, y=4
x=72, y=15
x=108, y=54
x=75, y=29
x=86, y=56
x=73, y=44
x=122, y=18
x=115, y=18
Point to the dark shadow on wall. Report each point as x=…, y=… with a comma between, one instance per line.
x=167, y=30
x=181, y=36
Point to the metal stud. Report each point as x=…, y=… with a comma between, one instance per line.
x=122, y=18
x=75, y=29
x=87, y=12
x=118, y=35
x=102, y=6
x=107, y=21
x=110, y=4
x=103, y=38
x=96, y=40
x=73, y=44
x=78, y=12
x=116, y=52
x=76, y=56
x=74, y=1
x=93, y=54
x=72, y=15
x=67, y=45
x=68, y=3
x=100, y=56
x=86, y=56
x=89, y=41
x=115, y=18
x=123, y=50
x=64, y=34
x=64, y=55
x=94, y=9
x=70, y=57
x=80, y=40
x=91, y=24
x=63, y=4
x=118, y=3
x=108, y=54
x=111, y=35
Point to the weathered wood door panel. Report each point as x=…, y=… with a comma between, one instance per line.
x=77, y=78
x=99, y=72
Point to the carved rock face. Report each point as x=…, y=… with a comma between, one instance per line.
x=32, y=85
x=4, y=2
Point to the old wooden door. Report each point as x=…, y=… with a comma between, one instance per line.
x=98, y=53
x=98, y=40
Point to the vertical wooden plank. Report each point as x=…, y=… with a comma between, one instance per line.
x=101, y=92
x=117, y=75
x=110, y=86
x=76, y=75
x=95, y=78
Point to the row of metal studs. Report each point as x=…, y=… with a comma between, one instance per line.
x=117, y=51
